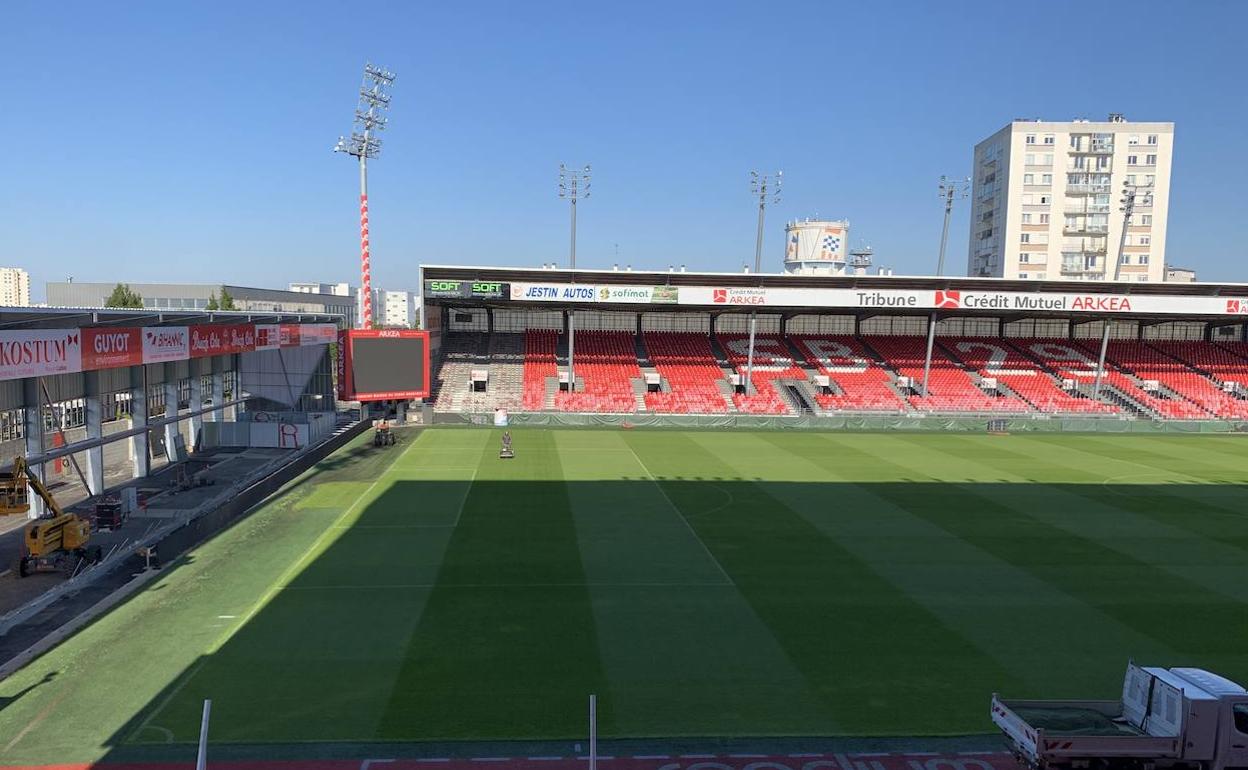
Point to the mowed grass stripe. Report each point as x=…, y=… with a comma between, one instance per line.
x=984, y=598
x=1036, y=528
x=845, y=628
x=491, y=660
x=1214, y=511
x=328, y=658
x=687, y=654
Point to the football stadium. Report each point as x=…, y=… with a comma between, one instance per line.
x=931, y=491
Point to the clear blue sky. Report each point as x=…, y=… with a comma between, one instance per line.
x=179, y=141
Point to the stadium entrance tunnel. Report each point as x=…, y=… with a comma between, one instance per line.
x=471, y=602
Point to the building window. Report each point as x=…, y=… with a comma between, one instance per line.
x=1146, y=219
x=1046, y=179
x=1024, y=257
x=1133, y=140
x=1152, y=139
x=1145, y=240
x=1141, y=278
x=1044, y=200
x=1131, y=179
x=1143, y=259
x=1022, y=275
x=1150, y=160
x=1044, y=219
x=1133, y=160
x=1029, y=178
x=1031, y=139
x=1149, y=179
x=1041, y=276
x=1102, y=162
x=1046, y=159
x=1030, y=159
x=1024, y=238
x=1048, y=139
x=1026, y=219
x=1125, y=259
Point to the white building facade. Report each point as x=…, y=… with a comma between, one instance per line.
x=14, y=287
x=1046, y=201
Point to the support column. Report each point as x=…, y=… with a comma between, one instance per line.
x=171, y=410
x=927, y=362
x=140, y=455
x=32, y=430
x=1100, y=364
x=197, y=403
x=95, y=430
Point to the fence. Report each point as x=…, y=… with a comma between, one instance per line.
x=853, y=422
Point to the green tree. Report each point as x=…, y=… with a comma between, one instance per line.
x=123, y=296
x=227, y=302
x=212, y=302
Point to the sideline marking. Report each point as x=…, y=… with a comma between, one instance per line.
x=38, y=720
x=268, y=595
x=681, y=515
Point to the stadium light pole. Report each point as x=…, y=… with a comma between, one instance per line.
x=1100, y=362
x=573, y=185
x=761, y=185
x=364, y=144
x=1127, y=207
x=949, y=190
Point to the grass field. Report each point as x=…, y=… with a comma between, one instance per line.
x=701, y=583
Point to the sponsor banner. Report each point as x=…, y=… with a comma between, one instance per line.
x=106, y=348
x=466, y=290
x=289, y=335
x=39, y=353
x=166, y=343
x=553, y=292
x=222, y=339
x=344, y=375
x=268, y=336
x=317, y=334
x=884, y=299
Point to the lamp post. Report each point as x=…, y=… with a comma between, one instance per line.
x=364, y=144
x=949, y=190
x=761, y=185
x=573, y=186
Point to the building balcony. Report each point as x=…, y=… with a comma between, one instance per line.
x=1085, y=229
x=1093, y=149
x=1091, y=208
x=1087, y=189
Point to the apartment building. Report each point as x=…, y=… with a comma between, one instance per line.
x=14, y=287
x=1046, y=201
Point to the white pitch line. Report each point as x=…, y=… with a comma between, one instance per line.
x=491, y=759
x=653, y=756
x=399, y=586
x=545, y=759
x=680, y=514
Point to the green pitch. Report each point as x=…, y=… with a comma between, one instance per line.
x=701, y=583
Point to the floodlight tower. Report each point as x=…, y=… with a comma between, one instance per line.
x=364, y=144
x=762, y=185
x=949, y=190
x=573, y=185
x=1127, y=207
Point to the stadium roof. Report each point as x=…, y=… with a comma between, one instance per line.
x=68, y=317
x=781, y=280
x=860, y=295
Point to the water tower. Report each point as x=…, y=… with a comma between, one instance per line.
x=816, y=247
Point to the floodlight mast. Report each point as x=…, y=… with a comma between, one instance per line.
x=364, y=144
x=573, y=185
x=762, y=185
x=949, y=190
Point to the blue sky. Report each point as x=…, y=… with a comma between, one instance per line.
x=179, y=141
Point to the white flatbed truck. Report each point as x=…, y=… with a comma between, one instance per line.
x=1177, y=718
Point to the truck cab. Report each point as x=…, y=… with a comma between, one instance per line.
x=1166, y=718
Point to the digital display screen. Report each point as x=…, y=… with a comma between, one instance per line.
x=388, y=364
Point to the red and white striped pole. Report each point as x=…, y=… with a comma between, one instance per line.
x=366, y=277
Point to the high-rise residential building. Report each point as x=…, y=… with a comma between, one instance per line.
x=14, y=287
x=1047, y=197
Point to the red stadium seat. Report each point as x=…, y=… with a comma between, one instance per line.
x=952, y=389
x=688, y=364
x=863, y=384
